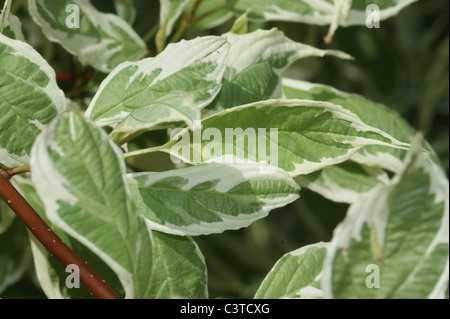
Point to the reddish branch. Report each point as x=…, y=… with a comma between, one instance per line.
x=74, y=77
x=50, y=240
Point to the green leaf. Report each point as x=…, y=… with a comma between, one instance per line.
x=256, y=63
x=372, y=113
x=6, y=216
x=210, y=198
x=29, y=99
x=126, y=10
x=98, y=39
x=15, y=254
x=79, y=174
x=345, y=182
x=394, y=242
x=157, y=92
x=299, y=136
x=10, y=25
x=240, y=26
x=296, y=275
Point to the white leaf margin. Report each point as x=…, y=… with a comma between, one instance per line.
x=176, y=56
x=44, y=171
x=335, y=192
x=52, y=90
x=229, y=176
x=307, y=292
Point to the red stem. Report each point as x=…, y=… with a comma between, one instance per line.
x=51, y=241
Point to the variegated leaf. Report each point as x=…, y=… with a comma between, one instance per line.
x=299, y=136
x=372, y=113
x=10, y=25
x=158, y=92
x=256, y=63
x=210, y=198
x=296, y=275
x=98, y=39
x=29, y=99
x=394, y=242
x=79, y=174
x=321, y=12
x=126, y=10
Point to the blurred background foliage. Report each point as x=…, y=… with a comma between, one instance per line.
x=403, y=64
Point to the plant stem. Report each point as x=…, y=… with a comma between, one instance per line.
x=150, y=33
x=50, y=240
x=17, y=170
x=186, y=22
